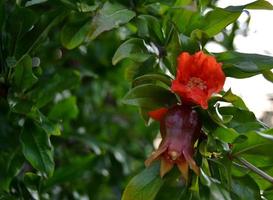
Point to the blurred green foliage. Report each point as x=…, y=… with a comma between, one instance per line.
x=64, y=130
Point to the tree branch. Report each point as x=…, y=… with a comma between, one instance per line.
x=255, y=169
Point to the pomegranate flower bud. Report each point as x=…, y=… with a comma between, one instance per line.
x=180, y=127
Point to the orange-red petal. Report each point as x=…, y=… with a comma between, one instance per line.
x=165, y=167
x=158, y=114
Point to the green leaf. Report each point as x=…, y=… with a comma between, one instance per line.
x=150, y=96
x=49, y=127
x=242, y=65
x=235, y=100
x=70, y=171
x=268, y=75
x=219, y=18
x=37, y=148
x=187, y=20
x=268, y=194
x=225, y=134
x=36, y=34
x=110, y=16
x=64, y=109
x=243, y=120
x=23, y=76
x=254, y=145
x=260, y=4
x=245, y=188
x=149, y=27
x=133, y=49
x=50, y=85
x=215, y=188
x=10, y=165
x=152, y=78
x=34, y=2
x=145, y=185
x=73, y=34
x=32, y=180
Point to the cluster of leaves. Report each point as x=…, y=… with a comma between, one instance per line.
x=63, y=130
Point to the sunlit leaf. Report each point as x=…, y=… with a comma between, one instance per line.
x=74, y=34
x=268, y=75
x=217, y=19
x=108, y=17
x=242, y=65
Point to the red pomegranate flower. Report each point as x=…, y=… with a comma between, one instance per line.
x=198, y=77
x=180, y=127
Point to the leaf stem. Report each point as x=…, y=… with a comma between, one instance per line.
x=255, y=169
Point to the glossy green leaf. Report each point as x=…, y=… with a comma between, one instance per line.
x=149, y=96
x=36, y=34
x=242, y=65
x=10, y=167
x=23, y=76
x=187, y=20
x=245, y=188
x=235, y=100
x=219, y=18
x=254, y=145
x=145, y=185
x=149, y=27
x=32, y=180
x=73, y=34
x=35, y=2
x=37, y=149
x=20, y=105
x=110, y=16
x=43, y=122
x=64, y=109
x=215, y=188
x=242, y=121
x=268, y=75
x=259, y=4
x=152, y=78
x=225, y=134
x=85, y=7
x=268, y=194
x=133, y=49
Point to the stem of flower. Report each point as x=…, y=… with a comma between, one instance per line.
x=255, y=169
